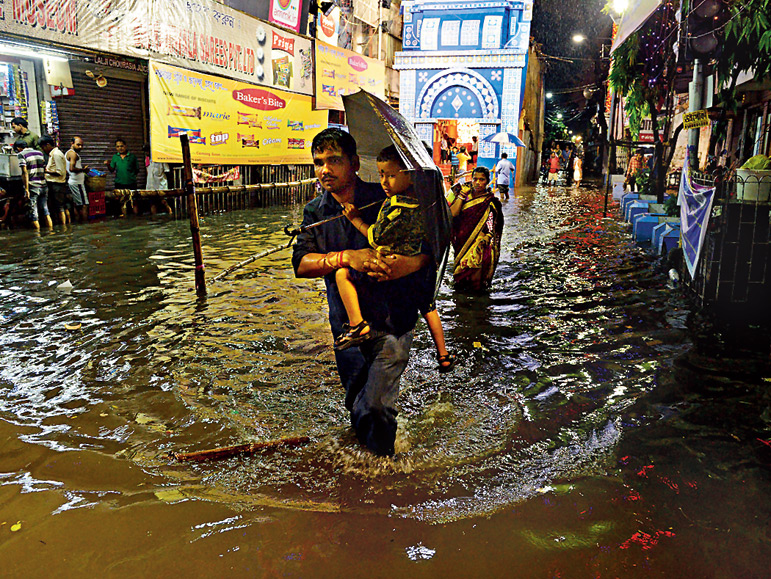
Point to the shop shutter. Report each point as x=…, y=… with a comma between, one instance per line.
x=100, y=115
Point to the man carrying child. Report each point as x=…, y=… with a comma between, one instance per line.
x=398, y=230
x=371, y=372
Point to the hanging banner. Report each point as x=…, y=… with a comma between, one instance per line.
x=203, y=35
x=340, y=71
x=695, y=210
x=228, y=122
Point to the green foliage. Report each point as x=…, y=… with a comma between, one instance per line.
x=746, y=45
x=642, y=69
x=627, y=78
x=644, y=181
x=670, y=206
x=554, y=128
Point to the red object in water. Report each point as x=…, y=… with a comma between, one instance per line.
x=644, y=470
x=96, y=206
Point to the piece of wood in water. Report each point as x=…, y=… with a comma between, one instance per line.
x=228, y=451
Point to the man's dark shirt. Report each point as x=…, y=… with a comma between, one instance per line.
x=389, y=306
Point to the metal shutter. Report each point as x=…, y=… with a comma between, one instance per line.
x=100, y=115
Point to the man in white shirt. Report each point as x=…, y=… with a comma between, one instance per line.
x=157, y=180
x=56, y=178
x=504, y=171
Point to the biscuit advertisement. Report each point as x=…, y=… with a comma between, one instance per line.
x=340, y=71
x=228, y=122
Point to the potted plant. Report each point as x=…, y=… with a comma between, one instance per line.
x=753, y=181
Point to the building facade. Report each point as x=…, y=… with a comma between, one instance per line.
x=462, y=70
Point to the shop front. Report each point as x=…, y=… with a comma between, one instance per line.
x=463, y=70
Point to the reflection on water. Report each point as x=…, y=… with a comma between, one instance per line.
x=551, y=409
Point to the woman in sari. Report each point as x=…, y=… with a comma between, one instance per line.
x=476, y=232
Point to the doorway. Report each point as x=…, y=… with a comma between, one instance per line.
x=456, y=132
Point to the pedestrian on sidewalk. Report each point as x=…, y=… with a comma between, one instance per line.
x=636, y=165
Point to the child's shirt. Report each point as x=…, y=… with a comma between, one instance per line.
x=399, y=228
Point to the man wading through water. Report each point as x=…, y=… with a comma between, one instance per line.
x=389, y=300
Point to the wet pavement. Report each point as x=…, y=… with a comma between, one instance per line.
x=582, y=434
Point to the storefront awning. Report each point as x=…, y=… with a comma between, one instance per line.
x=634, y=17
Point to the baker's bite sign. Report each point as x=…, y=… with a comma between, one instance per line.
x=228, y=122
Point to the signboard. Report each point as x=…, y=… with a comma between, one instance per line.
x=695, y=120
x=286, y=13
x=340, y=71
x=202, y=35
x=328, y=25
x=228, y=122
x=646, y=129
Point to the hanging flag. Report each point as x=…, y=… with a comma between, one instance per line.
x=695, y=209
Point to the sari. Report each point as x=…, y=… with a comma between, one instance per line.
x=476, y=239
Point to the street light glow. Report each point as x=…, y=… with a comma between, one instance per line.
x=549, y=95
x=578, y=38
x=620, y=5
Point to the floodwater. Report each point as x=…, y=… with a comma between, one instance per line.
x=581, y=435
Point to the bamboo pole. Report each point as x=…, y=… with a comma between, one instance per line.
x=247, y=261
x=228, y=451
x=192, y=204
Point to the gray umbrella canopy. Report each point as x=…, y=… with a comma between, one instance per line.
x=375, y=126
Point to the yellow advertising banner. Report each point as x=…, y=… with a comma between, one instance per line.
x=340, y=71
x=228, y=122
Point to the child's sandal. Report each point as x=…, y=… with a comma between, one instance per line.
x=353, y=336
x=446, y=362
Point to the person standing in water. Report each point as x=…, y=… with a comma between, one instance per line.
x=371, y=372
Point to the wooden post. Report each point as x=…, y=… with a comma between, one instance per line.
x=192, y=209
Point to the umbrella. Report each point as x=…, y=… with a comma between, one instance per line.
x=504, y=138
x=375, y=125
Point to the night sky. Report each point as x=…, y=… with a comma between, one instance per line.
x=554, y=23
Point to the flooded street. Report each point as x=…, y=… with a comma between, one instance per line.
x=581, y=434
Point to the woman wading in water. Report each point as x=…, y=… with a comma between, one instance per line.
x=476, y=232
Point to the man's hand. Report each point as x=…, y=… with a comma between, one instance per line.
x=384, y=267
